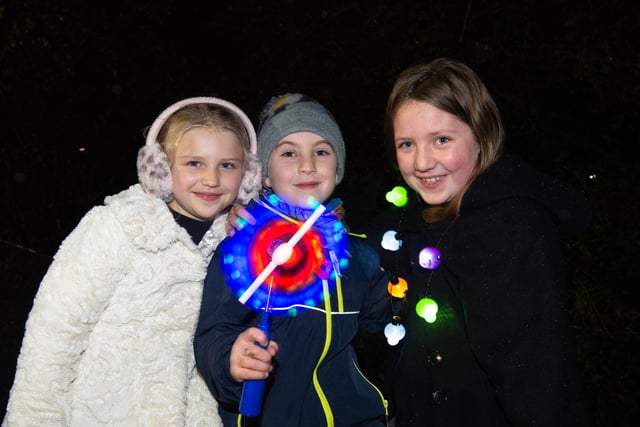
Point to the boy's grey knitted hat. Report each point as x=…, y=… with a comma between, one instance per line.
x=154, y=171
x=295, y=112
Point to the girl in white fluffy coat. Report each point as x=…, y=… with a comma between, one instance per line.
x=109, y=338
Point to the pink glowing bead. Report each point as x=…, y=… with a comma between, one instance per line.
x=429, y=258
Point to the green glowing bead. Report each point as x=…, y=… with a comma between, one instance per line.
x=397, y=196
x=427, y=309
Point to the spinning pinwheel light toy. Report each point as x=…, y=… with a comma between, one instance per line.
x=282, y=266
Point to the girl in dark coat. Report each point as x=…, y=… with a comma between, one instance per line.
x=498, y=352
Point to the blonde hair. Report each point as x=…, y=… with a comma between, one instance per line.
x=200, y=115
x=451, y=86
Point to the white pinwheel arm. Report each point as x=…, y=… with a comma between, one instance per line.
x=282, y=253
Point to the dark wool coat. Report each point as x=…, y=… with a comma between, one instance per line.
x=499, y=352
x=290, y=397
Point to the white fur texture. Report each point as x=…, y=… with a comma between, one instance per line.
x=154, y=172
x=109, y=338
x=251, y=180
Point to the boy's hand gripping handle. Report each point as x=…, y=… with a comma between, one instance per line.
x=253, y=390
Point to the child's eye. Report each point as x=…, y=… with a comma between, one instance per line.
x=288, y=154
x=323, y=149
x=442, y=140
x=193, y=163
x=228, y=165
x=404, y=144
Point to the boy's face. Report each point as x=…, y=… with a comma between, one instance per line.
x=206, y=171
x=302, y=165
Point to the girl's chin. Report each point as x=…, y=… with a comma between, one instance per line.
x=433, y=199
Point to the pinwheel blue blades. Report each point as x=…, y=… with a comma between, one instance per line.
x=294, y=255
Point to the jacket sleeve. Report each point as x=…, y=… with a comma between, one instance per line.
x=222, y=319
x=516, y=316
x=69, y=301
x=375, y=312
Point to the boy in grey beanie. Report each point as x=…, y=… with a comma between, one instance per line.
x=308, y=354
x=295, y=112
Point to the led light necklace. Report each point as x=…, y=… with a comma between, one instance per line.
x=429, y=258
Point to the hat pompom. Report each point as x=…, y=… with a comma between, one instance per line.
x=279, y=103
x=267, y=107
x=154, y=172
x=251, y=180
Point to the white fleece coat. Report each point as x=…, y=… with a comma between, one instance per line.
x=109, y=338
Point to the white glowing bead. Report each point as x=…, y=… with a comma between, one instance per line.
x=389, y=241
x=394, y=333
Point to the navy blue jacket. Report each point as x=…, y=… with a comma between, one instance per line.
x=290, y=397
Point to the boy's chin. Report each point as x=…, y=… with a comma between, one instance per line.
x=302, y=201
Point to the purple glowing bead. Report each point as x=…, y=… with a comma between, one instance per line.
x=429, y=258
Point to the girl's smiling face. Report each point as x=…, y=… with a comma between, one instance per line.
x=302, y=165
x=207, y=170
x=436, y=151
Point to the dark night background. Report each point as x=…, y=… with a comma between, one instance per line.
x=92, y=75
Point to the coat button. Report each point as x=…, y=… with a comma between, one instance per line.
x=440, y=396
x=434, y=358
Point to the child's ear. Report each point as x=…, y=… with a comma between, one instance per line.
x=267, y=182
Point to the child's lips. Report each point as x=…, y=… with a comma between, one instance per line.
x=432, y=181
x=307, y=185
x=208, y=197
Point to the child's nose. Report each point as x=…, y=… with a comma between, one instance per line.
x=423, y=158
x=210, y=178
x=307, y=165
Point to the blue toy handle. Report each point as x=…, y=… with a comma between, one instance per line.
x=253, y=390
